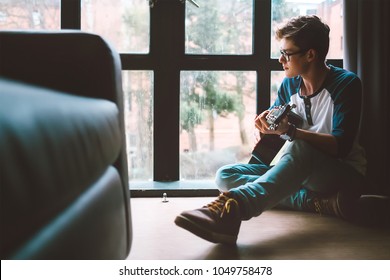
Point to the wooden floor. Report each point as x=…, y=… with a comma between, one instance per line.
x=275, y=235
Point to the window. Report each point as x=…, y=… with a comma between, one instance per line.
x=126, y=24
x=219, y=27
x=23, y=14
x=193, y=78
x=329, y=11
x=138, y=100
x=216, y=113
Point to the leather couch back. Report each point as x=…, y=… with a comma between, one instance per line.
x=74, y=62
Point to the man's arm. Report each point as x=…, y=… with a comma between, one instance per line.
x=324, y=142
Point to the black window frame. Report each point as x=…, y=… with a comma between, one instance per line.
x=167, y=58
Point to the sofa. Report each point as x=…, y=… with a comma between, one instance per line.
x=63, y=161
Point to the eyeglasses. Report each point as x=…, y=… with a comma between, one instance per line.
x=287, y=55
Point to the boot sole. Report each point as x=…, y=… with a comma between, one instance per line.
x=204, y=233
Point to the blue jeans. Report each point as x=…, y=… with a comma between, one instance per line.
x=302, y=172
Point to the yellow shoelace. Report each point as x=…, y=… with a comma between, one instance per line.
x=221, y=205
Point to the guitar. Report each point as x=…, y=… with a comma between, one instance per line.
x=269, y=145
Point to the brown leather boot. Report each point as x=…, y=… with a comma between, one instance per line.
x=342, y=204
x=217, y=222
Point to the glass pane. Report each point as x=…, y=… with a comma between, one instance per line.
x=219, y=27
x=331, y=12
x=276, y=80
x=125, y=24
x=217, y=109
x=27, y=14
x=138, y=97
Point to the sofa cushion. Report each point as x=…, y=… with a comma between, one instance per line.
x=90, y=228
x=52, y=147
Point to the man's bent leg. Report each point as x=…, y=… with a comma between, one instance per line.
x=297, y=201
x=301, y=165
x=234, y=175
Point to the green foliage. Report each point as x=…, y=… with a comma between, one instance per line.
x=218, y=27
x=204, y=96
x=206, y=28
x=225, y=103
x=190, y=116
x=281, y=10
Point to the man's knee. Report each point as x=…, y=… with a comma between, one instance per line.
x=222, y=177
x=300, y=147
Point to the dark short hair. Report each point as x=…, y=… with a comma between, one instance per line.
x=307, y=32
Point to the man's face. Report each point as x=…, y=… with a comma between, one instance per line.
x=291, y=58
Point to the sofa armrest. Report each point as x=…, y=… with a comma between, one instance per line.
x=70, y=61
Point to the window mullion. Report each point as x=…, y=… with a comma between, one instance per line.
x=71, y=14
x=166, y=18
x=262, y=50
